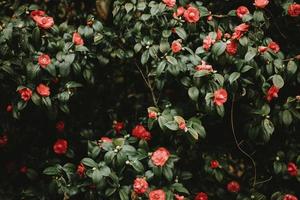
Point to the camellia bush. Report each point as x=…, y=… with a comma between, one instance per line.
x=150, y=99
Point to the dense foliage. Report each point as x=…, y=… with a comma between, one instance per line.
x=158, y=100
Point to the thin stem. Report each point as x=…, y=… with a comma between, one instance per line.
x=264, y=181
x=237, y=143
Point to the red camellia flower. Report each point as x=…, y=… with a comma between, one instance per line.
x=43, y=90
x=179, y=197
x=25, y=93
x=242, y=11
x=157, y=195
x=294, y=10
x=274, y=47
x=80, y=170
x=289, y=197
x=77, y=40
x=292, y=169
x=239, y=31
x=37, y=13
x=160, y=156
x=170, y=3
x=191, y=14
x=9, y=108
x=23, y=169
x=176, y=46
x=140, y=132
x=152, y=115
x=220, y=97
x=219, y=34
x=179, y=12
x=3, y=140
x=214, y=164
x=44, y=60
x=140, y=186
x=118, y=126
x=201, y=196
x=233, y=186
x=261, y=3
x=207, y=42
x=60, y=146
x=60, y=126
x=272, y=93
x=44, y=22
x=262, y=49
x=105, y=139
x=231, y=47
x=204, y=66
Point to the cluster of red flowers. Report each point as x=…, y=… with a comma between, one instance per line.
x=191, y=14
x=294, y=10
x=140, y=132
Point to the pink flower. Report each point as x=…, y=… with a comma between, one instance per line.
x=140, y=186
x=231, y=47
x=176, y=46
x=262, y=49
x=207, y=42
x=44, y=60
x=37, y=13
x=292, y=169
x=105, y=139
x=160, y=156
x=179, y=12
x=204, y=66
x=272, y=93
x=179, y=197
x=191, y=14
x=43, y=90
x=157, y=195
x=261, y=3
x=242, y=11
x=77, y=40
x=274, y=47
x=44, y=22
x=294, y=10
x=170, y=3
x=220, y=97
x=140, y=132
x=239, y=31
x=201, y=196
x=25, y=93
x=233, y=187
x=219, y=35
x=152, y=115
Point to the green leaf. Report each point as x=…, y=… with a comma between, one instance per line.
x=193, y=133
x=89, y=162
x=193, y=93
x=96, y=176
x=123, y=194
x=171, y=60
x=180, y=188
x=287, y=117
x=137, y=166
x=218, y=48
x=250, y=54
x=36, y=37
x=278, y=81
x=53, y=170
x=181, y=33
x=72, y=84
x=277, y=166
x=145, y=57
x=128, y=7
x=258, y=15
x=291, y=67
x=233, y=77
x=268, y=126
x=172, y=125
x=168, y=173
x=220, y=110
x=164, y=46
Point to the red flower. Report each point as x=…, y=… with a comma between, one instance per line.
x=191, y=14
x=80, y=170
x=242, y=11
x=3, y=140
x=289, y=197
x=220, y=97
x=178, y=197
x=204, y=66
x=233, y=186
x=231, y=47
x=77, y=40
x=44, y=60
x=60, y=146
x=43, y=90
x=60, y=126
x=219, y=34
x=274, y=47
x=214, y=164
x=176, y=46
x=37, y=13
x=262, y=49
x=44, y=22
x=201, y=196
x=294, y=10
x=25, y=93
x=272, y=93
x=23, y=169
x=157, y=195
x=140, y=132
x=9, y=108
x=152, y=115
x=160, y=156
x=261, y=3
x=170, y=3
x=105, y=139
x=207, y=42
x=180, y=10
x=140, y=186
x=292, y=169
x=118, y=126
x=240, y=30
